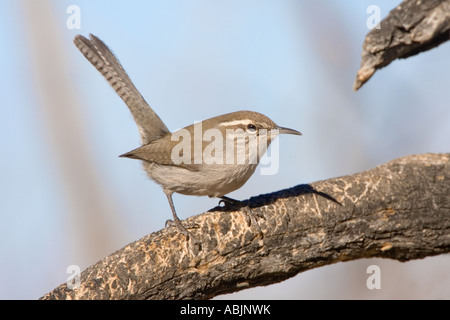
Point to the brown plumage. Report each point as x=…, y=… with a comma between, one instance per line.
x=210, y=162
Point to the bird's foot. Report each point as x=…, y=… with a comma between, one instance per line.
x=183, y=228
x=230, y=203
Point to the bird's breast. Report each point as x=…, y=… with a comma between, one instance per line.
x=206, y=180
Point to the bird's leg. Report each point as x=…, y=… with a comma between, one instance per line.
x=177, y=220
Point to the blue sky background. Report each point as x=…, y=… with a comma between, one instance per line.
x=67, y=199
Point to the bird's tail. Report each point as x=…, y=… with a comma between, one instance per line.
x=100, y=56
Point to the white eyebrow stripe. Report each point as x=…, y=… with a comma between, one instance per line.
x=236, y=122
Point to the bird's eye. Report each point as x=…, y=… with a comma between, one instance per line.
x=251, y=127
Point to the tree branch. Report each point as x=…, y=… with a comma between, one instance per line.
x=412, y=27
x=399, y=210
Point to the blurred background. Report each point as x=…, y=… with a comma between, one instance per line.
x=67, y=199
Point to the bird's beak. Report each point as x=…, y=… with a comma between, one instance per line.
x=282, y=130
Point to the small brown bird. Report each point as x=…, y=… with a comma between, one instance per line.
x=210, y=158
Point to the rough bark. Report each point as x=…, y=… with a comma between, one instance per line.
x=412, y=27
x=399, y=210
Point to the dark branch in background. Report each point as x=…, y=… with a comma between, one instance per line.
x=412, y=27
x=399, y=210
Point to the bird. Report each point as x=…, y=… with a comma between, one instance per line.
x=209, y=158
